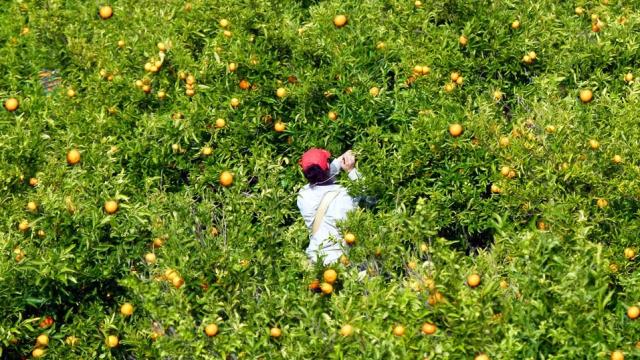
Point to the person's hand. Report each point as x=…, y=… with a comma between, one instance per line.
x=348, y=161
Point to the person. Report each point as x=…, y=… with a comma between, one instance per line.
x=322, y=202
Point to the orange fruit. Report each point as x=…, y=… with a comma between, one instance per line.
x=244, y=84
x=73, y=157
x=633, y=312
x=495, y=189
x=23, y=226
x=121, y=44
x=340, y=21
x=330, y=276
x=177, y=282
x=227, y=33
x=281, y=92
x=206, y=150
x=33, y=182
x=226, y=179
x=617, y=355
x=220, y=123
x=398, y=330
x=460, y=80
x=454, y=76
x=106, y=12
x=617, y=159
x=112, y=341
x=162, y=47
x=42, y=340
x=32, y=206
x=594, y=144
x=314, y=285
x=628, y=77
x=586, y=95
x=504, y=141
x=150, y=258
x=126, y=309
x=481, y=357
x=629, y=253
x=473, y=280
x=37, y=353
x=11, y=104
x=463, y=40
x=504, y=284
x=279, y=126
x=346, y=330
x=374, y=91
x=349, y=238
x=455, y=130
x=234, y=102
x=505, y=170
x=224, y=23
x=579, y=11
x=332, y=115
x=602, y=203
x=71, y=93
x=515, y=25
x=449, y=87
x=111, y=206
x=417, y=3
x=326, y=288
x=275, y=332
x=232, y=67
x=429, y=328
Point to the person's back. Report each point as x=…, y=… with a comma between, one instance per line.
x=326, y=241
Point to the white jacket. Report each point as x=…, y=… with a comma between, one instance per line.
x=327, y=241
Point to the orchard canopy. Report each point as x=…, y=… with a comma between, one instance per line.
x=149, y=171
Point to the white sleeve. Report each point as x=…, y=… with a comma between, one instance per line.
x=354, y=174
x=334, y=169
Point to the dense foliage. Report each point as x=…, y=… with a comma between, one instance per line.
x=538, y=194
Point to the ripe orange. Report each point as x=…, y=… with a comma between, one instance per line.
x=234, y=102
x=344, y=260
x=32, y=206
x=220, y=123
x=340, y=21
x=504, y=284
x=112, y=341
x=162, y=95
x=150, y=258
x=346, y=330
x=473, y=280
x=586, y=95
x=71, y=93
x=633, y=312
x=602, y=203
x=226, y=179
x=314, y=285
x=617, y=159
x=374, y=91
x=279, y=126
x=42, y=340
x=111, y=206
x=398, y=330
x=594, y=144
x=37, y=353
x=429, y=328
x=227, y=33
x=449, y=87
x=275, y=332
x=23, y=226
x=628, y=77
x=417, y=3
x=73, y=157
x=326, y=288
x=455, y=130
x=505, y=170
x=463, y=40
x=106, y=12
x=495, y=189
x=33, y=182
x=11, y=104
x=579, y=11
x=629, y=253
x=162, y=47
x=515, y=25
x=454, y=76
x=330, y=276
x=41, y=233
x=177, y=282
x=349, y=238
x=332, y=115
x=481, y=357
x=281, y=92
x=504, y=141
x=244, y=84
x=190, y=92
x=121, y=44
x=232, y=67
x=126, y=309
x=206, y=150
x=224, y=23
x=617, y=355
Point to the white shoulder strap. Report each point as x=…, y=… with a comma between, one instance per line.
x=322, y=209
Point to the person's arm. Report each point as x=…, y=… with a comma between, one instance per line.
x=348, y=164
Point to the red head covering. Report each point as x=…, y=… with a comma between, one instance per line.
x=315, y=156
